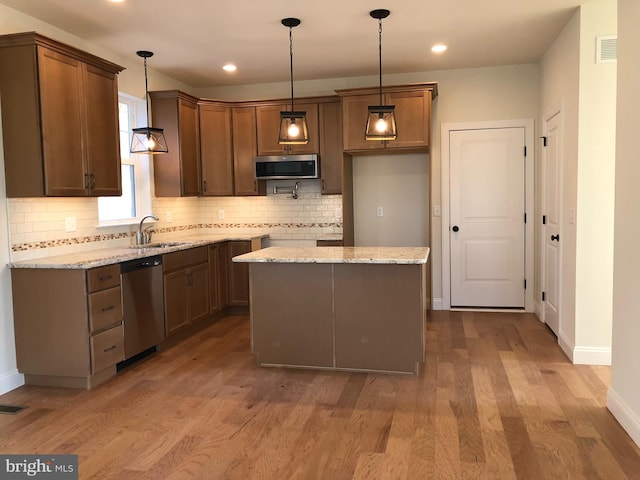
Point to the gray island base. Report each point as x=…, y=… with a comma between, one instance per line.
x=349, y=308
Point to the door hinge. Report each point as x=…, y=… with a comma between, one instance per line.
x=544, y=219
x=544, y=141
x=525, y=150
x=525, y=283
x=525, y=217
x=544, y=296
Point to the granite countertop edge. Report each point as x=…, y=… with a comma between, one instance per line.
x=336, y=255
x=109, y=256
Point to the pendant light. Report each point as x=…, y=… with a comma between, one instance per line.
x=381, y=122
x=293, y=125
x=148, y=139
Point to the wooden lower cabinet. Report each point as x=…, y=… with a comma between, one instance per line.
x=68, y=325
x=218, y=277
x=238, y=274
x=186, y=288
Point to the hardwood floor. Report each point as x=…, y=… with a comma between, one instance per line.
x=497, y=399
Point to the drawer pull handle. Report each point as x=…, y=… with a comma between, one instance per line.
x=112, y=347
x=106, y=309
x=105, y=277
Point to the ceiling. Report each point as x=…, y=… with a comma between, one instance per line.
x=193, y=39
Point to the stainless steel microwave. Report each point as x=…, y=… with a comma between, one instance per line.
x=282, y=167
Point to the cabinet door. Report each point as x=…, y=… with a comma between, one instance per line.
x=198, y=283
x=238, y=274
x=331, y=147
x=354, y=122
x=102, y=134
x=223, y=273
x=176, y=301
x=62, y=117
x=413, y=111
x=189, y=151
x=268, y=129
x=214, y=294
x=216, y=155
x=244, y=150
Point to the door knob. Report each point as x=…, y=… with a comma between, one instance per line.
x=555, y=237
x=455, y=228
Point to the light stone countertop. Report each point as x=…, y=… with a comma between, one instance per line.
x=109, y=256
x=372, y=255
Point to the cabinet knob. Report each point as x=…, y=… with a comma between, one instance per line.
x=455, y=228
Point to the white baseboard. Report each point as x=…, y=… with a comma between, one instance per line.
x=537, y=310
x=11, y=381
x=625, y=416
x=566, y=345
x=584, y=355
x=437, y=304
x=592, y=356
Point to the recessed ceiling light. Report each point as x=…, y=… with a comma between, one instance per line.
x=229, y=67
x=116, y=1
x=439, y=48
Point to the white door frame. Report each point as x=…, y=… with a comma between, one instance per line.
x=528, y=125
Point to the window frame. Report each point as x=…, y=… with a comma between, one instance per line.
x=142, y=166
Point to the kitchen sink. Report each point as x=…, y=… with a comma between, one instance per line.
x=160, y=245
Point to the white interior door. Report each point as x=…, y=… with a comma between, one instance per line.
x=487, y=225
x=551, y=174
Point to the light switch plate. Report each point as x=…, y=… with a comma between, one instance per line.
x=379, y=212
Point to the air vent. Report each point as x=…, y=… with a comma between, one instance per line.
x=606, y=49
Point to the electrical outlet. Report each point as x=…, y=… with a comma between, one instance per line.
x=70, y=224
x=221, y=214
x=379, y=212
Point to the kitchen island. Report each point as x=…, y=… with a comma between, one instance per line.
x=338, y=308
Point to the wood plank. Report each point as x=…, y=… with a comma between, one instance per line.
x=496, y=399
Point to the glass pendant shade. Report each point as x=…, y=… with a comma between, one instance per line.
x=293, y=124
x=381, y=123
x=293, y=128
x=148, y=140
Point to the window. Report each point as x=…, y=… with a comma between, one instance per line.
x=135, y=201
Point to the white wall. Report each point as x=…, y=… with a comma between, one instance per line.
x=586, y=92
x=9, y=376
x=560, y=76
x=399, y=184
x=624, y=395
x=595, y=187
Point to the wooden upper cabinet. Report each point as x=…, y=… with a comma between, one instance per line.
x=244, y=150
x=216, y=153
x=177, y=173
x=59, y=119
x=268, y=129
x=412, y=112
x=331, y=147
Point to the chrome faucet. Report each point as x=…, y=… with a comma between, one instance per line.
x=144, y=236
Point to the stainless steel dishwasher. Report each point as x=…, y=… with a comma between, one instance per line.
x=143, y=306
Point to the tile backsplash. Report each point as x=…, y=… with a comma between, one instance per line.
x=38, y=226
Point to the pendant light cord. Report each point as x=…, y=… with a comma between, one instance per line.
x=380, y=55
x=291, y=64
x=146, y=92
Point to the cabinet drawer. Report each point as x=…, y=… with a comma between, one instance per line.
x=184, y=258
x=105, y=309
x=103, y=277
x=107, y=348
